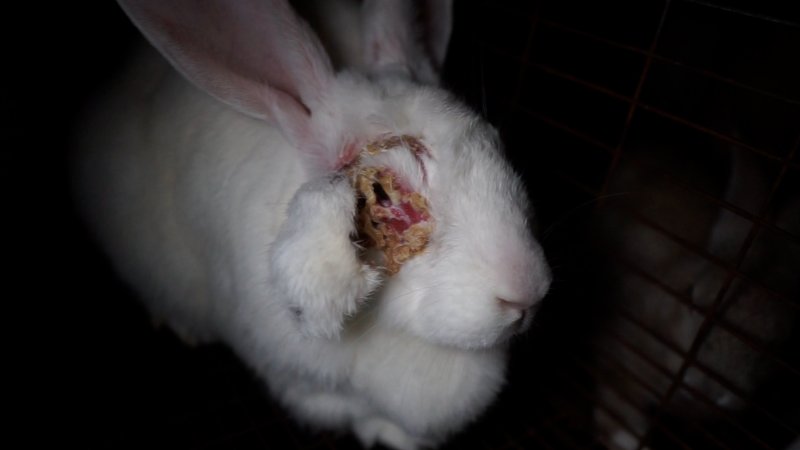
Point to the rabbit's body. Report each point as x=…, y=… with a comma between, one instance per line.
x=163, y=196
x=240, y=230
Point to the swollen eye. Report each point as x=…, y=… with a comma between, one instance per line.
x=381, y=196
x=392, y=220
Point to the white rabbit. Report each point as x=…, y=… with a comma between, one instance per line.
x=222, y=200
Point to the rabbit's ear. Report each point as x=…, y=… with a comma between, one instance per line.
x=438, y=22
x=398, y=39
x=256, y=56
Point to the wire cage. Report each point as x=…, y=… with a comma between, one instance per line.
x=659, y=142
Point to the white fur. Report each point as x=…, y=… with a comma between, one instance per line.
x=231, y=233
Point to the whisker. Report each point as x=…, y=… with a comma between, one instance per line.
x=419, y=289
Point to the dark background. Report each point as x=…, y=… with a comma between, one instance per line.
x=571, y=84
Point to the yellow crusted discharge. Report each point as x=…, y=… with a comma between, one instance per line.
x=373, y=217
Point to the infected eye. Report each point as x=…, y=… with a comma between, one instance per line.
x=381, y=197
x=391, y=218
x=361, y=202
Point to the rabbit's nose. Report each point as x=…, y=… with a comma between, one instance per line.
x=522, y=289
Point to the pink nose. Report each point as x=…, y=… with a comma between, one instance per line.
x=521, y=275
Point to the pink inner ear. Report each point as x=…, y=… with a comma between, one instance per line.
x=349, y=155
x=256, y=55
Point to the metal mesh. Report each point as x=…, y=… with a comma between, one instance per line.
x=660, y=141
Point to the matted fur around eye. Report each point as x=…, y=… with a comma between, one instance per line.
x=391, y=217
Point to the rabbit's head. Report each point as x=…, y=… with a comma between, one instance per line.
x=481, y=270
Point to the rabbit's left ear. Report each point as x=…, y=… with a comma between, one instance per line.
x=255, y=55
x=400, y=39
